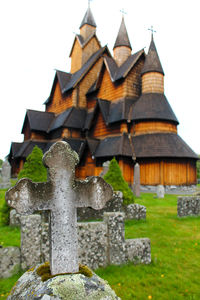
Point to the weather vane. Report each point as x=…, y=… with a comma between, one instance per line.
x=152, y=30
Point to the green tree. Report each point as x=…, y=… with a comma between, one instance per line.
x=115, y=178
x=1, y=163
x=33, y=167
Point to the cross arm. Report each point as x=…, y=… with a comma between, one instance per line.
x=93, y=192
x=27, y=196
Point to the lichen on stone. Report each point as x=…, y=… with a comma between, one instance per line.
x=44, y=271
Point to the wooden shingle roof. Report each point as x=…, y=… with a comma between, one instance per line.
x=38, y=120
x=118, y=72
x=122, y=37
x=161, y=145
x=88, y=19
x=152, y=106
x=152, y=61
x=77, y=76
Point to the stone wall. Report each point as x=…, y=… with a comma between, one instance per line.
x=100, y=243
x=188, y=206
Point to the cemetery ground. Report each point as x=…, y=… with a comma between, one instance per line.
x=175, y=246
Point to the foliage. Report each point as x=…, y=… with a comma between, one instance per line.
x=9, y=236
x=1, y=163
x=33, y=167
x=115, y=179
x=5, y=214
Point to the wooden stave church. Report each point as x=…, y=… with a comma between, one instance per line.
x=111, y=107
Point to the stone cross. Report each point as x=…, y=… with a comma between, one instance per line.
x=61, y=195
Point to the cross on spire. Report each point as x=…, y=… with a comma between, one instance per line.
x=89, y=3
x=152, y=30
x=123, y=12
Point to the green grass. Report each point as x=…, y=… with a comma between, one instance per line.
x=175, y=246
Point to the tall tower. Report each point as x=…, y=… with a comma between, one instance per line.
x=85, y=44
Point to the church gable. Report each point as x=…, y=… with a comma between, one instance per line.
x=76, y=56
x=58, y=102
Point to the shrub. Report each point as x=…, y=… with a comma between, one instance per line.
x=33, y=167
x=115, y=178
x=5, y=214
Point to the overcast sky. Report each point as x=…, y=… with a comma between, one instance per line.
x=37, y=35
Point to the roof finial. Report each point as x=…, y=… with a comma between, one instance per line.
x=152, y=31
x=123, y=12
x=89, y=3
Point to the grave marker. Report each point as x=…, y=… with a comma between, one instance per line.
x=62, y=194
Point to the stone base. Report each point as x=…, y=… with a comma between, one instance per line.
x=63, y=287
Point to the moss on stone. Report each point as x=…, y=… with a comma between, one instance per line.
x=45, y=273
x=31, y=269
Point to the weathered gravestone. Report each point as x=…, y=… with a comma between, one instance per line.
x=160, y=191
x=5, y=175
x=62, y=194
x=136, y=183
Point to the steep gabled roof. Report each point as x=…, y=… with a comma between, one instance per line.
x=77, y=76
x=152, y=106
x=119, y=110
x=71, y=118
x=92, y=144
x=63, y=78
x=122, y=37
x=116, y=111
x=88, y=19
x=114, y=146
x=152, y=61
x=38, y=120
x=83, y=42
x=122, y=71
x=161, y=145
x=25, y=148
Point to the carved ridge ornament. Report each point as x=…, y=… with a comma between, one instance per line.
x=61, y=195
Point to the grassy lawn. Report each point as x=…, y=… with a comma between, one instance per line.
x=175, y=245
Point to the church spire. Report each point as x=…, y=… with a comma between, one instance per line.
x=88, y=18
x=152, y=61
x=152, y=72
x=122, y=48
x=88, y=25
x=122, y=37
